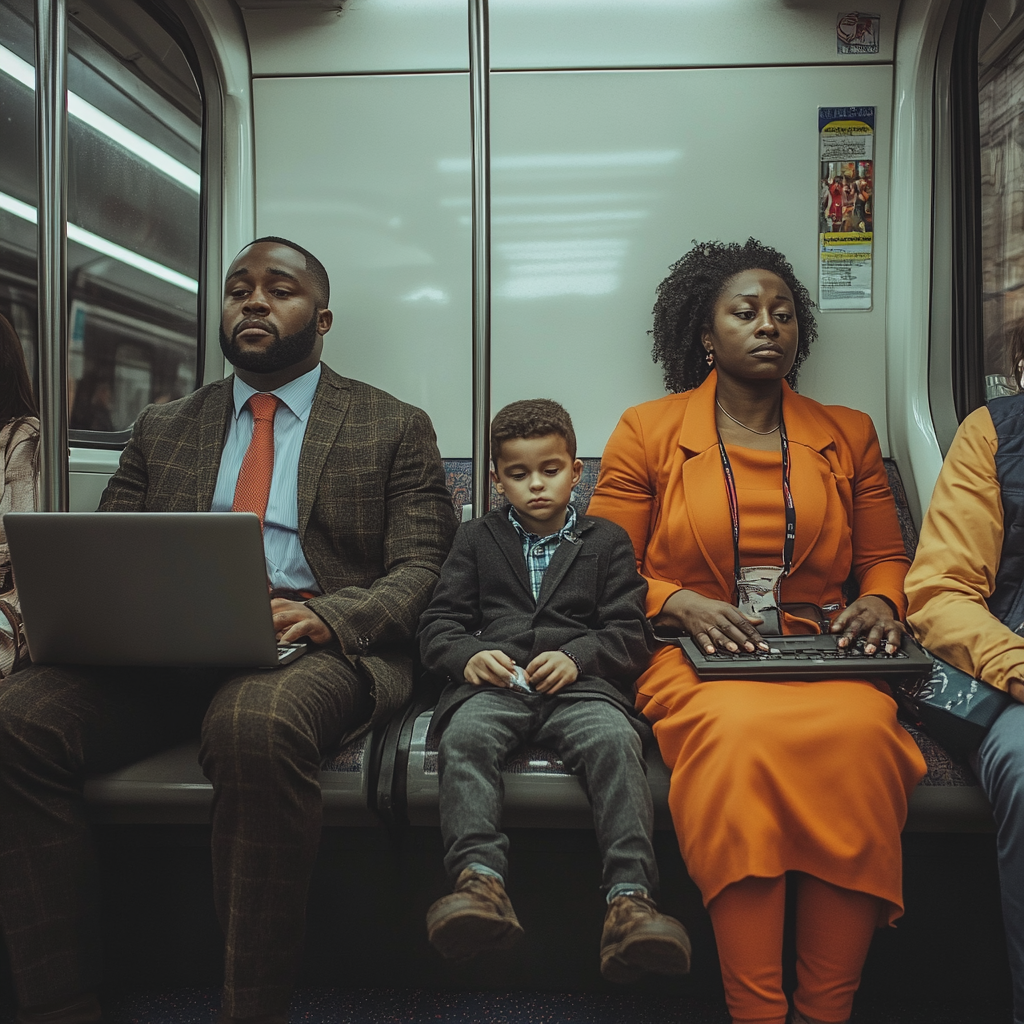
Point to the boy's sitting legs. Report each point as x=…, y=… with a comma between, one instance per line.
x=601, y=746
x=474, y=746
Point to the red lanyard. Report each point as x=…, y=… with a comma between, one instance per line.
x=734, y=511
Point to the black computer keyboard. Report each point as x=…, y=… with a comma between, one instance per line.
x=805, y=658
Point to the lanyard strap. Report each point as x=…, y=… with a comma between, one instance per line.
x=734, y=511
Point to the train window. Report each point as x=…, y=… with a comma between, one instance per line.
x=1001, y=124
x=135, y=126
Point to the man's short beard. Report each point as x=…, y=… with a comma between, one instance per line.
x=278, y=355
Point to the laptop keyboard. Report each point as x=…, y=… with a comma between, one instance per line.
x=289, y=652
x=826, y=649
x=806, y=657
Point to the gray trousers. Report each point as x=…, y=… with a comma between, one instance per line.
x=594, y=740
x=999, y=764
x=263, y=736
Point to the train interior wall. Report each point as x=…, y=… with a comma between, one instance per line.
x=608, y=156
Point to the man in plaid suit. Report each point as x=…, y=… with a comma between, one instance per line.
x=357, y=523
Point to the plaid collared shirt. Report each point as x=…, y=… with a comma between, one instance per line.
x=538, y=551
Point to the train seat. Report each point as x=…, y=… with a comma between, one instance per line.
x=170, y=789
x=392, y=776
x=540, y=792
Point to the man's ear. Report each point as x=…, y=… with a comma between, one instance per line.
x=577, y=471
x=324, y=320
x=497, y=483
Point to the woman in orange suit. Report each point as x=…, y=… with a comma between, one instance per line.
x=742, y=497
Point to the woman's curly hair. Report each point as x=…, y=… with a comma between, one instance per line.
x=686, y=303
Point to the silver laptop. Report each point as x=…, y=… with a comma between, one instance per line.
x=144, y=588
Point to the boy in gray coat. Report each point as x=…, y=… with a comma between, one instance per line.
x=538, y=623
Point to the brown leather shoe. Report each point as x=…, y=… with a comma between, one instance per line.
x=475, y=918
x=637, y=940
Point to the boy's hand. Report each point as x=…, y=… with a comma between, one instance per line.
x=489, y=668
x=550, y=671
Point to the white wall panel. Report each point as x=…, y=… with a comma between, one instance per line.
x=357, y=170
x=658, y=33
x=601, y=180
x=367, y=35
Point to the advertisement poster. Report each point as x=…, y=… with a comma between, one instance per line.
x=845, y=206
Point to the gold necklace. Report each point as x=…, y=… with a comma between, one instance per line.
x=741, y=423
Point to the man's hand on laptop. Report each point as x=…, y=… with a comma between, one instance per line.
x=293, y=620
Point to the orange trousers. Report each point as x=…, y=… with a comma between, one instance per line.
x=834, y=927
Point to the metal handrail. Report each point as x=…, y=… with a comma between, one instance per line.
x=51, y=162
x=479, y=97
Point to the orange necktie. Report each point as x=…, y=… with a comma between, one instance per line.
x=253, y=488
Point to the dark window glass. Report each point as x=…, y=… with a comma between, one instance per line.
x=1001, y=116
x=135, y=120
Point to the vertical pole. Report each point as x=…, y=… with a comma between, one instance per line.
x=51, y=161
x=479, y=94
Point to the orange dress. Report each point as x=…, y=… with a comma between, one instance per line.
x=768, y=777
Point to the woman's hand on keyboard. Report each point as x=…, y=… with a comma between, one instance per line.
x=871, y=618
x=711, y=623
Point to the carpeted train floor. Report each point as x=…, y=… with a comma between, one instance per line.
x=397, y=1006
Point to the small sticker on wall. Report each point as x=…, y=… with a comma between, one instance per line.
x=857, y=33
x=846, y=200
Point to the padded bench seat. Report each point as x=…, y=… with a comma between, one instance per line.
x=392, y=777
x=541, y=793
x=169, y=788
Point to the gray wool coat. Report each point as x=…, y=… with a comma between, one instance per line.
x=591, y=605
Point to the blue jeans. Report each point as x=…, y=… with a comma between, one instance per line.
x=999, y=763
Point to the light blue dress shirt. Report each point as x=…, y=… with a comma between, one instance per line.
x=287, y=567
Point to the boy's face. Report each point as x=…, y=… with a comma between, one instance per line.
x=537, y=476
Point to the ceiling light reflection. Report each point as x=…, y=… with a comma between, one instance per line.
x=427, y=294
x=563, y=161
x=568, y=199
x=105, y=246
x=23, y=72
x=537, y=270
x=568, y=218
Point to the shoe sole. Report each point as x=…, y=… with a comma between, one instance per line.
x=462, y=936
x=631, y=959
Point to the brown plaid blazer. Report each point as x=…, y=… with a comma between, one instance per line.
x=375, y=517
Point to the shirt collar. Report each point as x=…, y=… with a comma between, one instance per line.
x=570, y=525
x=296, y=394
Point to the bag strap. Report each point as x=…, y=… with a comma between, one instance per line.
x=19, y=637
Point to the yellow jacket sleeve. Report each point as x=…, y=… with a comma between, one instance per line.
x=957, y=560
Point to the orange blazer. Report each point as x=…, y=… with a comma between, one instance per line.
x=661, y=479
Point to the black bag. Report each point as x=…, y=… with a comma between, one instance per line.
x=954, y=708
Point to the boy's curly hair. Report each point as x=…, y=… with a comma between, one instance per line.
x=686, y=303
x=531, y=417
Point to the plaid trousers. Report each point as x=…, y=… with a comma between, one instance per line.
x=264, y=734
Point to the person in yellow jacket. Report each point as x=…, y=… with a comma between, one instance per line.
x=965, y=591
